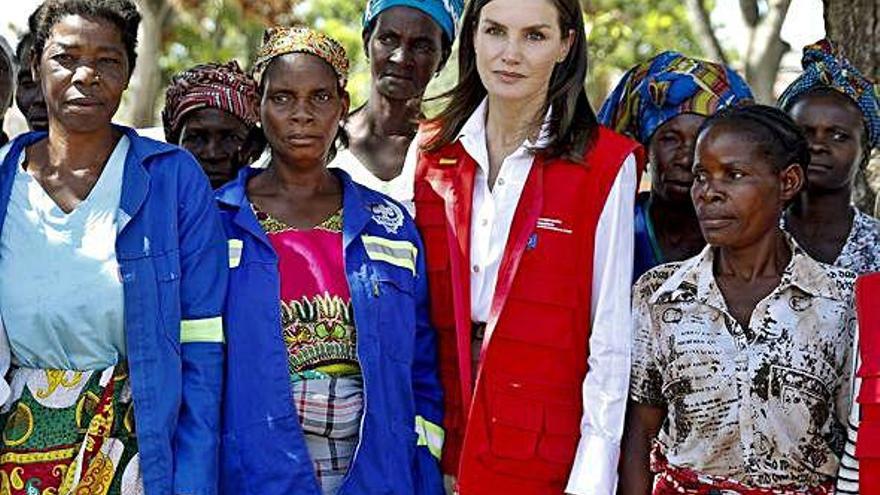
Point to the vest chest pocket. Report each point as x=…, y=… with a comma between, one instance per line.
x=552, y=246
x=531, y=439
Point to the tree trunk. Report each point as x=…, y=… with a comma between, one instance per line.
x=854, y=25
x=699, y=16
x=765, y=47
x=146, y=81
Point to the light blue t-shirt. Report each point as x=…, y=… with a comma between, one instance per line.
x=61, y=296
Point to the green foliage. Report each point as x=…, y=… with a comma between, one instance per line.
x=342, y=19
x=623, y=33
x=215, y=31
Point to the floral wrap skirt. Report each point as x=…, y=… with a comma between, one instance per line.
x=69, y=432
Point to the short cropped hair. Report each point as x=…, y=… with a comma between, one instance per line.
x=122, y=13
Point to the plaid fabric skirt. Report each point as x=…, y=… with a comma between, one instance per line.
x=671, y=480
x=69, y=432
x=330, y=411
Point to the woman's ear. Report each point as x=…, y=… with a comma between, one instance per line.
x=35, y=70
x=365, y=42
x=791, y=180
x=567, y=42
x=346, y=104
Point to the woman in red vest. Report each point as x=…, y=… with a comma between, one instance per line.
x=526, y=208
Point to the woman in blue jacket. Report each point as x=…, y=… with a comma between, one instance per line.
x=113, y=270
x=331, y=383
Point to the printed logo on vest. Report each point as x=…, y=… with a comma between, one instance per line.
x=553, y=224
x=388, y=215
x=532, y=242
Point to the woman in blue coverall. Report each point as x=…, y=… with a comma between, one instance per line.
x=113, y=271
x=331, y=383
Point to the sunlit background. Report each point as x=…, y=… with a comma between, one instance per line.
x=181, y=33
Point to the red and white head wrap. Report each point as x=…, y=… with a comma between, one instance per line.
x=222, y=86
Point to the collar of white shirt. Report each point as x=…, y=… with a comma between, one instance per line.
x=473, y=136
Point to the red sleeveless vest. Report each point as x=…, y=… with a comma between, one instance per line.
x=517, y=429
x=868, y=445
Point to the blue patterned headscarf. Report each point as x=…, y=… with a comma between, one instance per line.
x=445, y=13
x=825, y=67
x=667, y=86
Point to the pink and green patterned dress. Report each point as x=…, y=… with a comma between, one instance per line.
x=319, y=333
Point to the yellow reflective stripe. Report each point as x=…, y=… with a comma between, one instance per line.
x=398, y=253
x=430, y=435
x=403, y=263
x=235, y=248
x=204, y=330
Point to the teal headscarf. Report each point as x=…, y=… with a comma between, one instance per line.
x=444, y=12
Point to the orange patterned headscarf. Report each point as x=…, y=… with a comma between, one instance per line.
x=278, y=41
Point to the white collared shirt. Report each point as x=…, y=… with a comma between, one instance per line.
x=606, y=385
x=493, y=210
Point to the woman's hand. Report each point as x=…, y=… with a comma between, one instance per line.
x=643, y=422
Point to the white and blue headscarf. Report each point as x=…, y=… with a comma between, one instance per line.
x=446, y=13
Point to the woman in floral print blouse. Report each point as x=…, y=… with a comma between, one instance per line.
x=744, y=351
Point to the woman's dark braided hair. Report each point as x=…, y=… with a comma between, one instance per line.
x=775, y=134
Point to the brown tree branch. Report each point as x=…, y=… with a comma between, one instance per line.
x=749, y=9
x=705, y=34
x=766, y=49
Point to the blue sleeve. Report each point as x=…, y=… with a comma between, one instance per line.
x=427, y=389
x=204, y=271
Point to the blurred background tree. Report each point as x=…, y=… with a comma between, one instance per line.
x=178, y=34
x=623, y=33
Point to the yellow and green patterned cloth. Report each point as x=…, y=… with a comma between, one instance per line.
x=69, y=432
